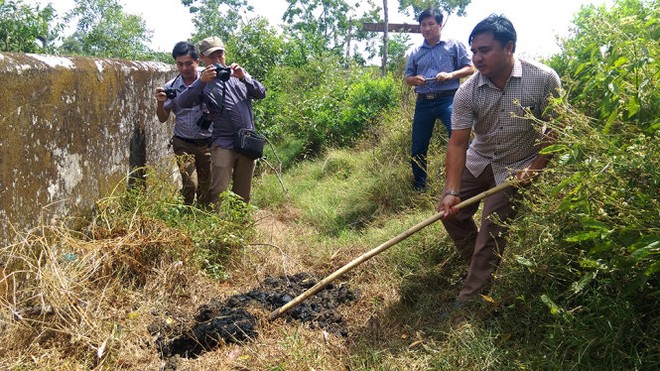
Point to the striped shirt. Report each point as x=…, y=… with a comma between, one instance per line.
x=185, y=120
x=503, y=137
x=428, y=61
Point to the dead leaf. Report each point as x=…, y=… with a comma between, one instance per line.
x=101, y=350
x=233, y=355
x=489, y=299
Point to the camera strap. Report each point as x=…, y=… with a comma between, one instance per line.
x=214, y=101
x=173, y=85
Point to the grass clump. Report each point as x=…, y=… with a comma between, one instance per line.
x=212, y=233
x=72, y=299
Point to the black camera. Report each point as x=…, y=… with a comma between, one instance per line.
x=223, y=73
x=171, y=93
x=205, y=121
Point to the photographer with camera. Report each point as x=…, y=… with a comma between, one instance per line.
x=228, y=92
x=192, y=134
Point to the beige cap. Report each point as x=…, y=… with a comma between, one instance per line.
x=210, y=44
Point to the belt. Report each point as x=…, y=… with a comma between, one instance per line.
x=207, y=141
x=436, y=95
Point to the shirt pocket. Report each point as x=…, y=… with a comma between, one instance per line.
x=525, y=106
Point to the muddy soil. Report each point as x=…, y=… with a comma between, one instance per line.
x=235, y=319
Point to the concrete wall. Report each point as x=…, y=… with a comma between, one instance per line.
x=70, y=130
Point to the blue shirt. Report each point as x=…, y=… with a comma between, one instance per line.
x=428, y=61
x=185, y=119
x=230, y=104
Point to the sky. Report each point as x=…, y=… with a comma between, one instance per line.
x=537, y=22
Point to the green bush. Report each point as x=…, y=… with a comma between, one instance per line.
x=610, y=65
x=367, y=100
x=323, y=105
x=585, y=251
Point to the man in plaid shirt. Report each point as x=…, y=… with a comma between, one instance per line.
x=492, y=105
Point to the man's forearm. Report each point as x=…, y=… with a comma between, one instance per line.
x=462, y=72
x=189, y=97
x=162, y=114
x=455, y=159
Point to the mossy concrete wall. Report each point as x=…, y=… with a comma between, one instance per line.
x=70, y=130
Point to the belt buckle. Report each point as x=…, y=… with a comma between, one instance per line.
x=429, y=96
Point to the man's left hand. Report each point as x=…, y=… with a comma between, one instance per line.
x=444, y=76
x=237, y=71
x=525, y=176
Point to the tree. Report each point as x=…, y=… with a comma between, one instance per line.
x=610, y=64
x=26, y=29
x=449, y=6
x=104, y=30
x=256, y=46
x=217, y=17
x=328, y=25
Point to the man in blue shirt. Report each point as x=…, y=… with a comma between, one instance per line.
x=192, y=139
x=434, y=69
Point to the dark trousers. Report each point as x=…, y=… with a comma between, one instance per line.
x=195, y=166
x=426, y=113
x=481, y=248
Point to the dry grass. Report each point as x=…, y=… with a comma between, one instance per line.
x=73, y=301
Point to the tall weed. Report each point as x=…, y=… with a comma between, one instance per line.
x=586, y=248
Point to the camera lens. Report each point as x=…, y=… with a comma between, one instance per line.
x=170, y=93
x=222, y=73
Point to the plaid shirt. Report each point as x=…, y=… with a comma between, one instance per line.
x=503, y=137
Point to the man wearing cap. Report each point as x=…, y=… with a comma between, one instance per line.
x=434, y=69
x=229, y=101
x=192, y=138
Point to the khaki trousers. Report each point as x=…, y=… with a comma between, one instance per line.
x=481, y=248
x=194, y=162
x=227, y=166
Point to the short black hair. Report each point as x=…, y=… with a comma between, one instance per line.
x=185, y=48
x=431, y=12
x=501, y=28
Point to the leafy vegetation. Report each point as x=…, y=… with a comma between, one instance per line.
x=323, y=106
x=610, y=65
x=26, y=29
x=104, y=30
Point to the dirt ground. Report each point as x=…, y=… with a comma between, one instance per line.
x=232, y=320
x=236, y=313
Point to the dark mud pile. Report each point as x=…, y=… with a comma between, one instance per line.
x=231, y=321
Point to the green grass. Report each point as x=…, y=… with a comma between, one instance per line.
x=553, y=306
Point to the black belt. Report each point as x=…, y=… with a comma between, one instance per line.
x=436, y=95
x=207, y=141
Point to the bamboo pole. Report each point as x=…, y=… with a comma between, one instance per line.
x=377, y=250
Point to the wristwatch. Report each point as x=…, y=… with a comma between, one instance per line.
x=451, y=192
